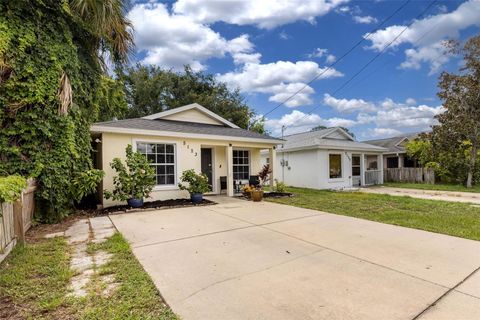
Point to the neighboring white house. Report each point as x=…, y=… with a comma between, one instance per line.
x=326, y=159
x=189, y=137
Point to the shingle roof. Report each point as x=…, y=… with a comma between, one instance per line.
x=392, y=143
x=182, y=127
x=317, y=139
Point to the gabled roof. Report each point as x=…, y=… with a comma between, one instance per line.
x=195, y=106
x=172, y=128
x=324, y=139
x=393, y=144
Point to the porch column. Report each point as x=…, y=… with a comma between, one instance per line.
x=380, y=167
x=272, y=154
x=229, y=157
x=362, y=169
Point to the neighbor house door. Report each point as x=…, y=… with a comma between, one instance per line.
x=207, y=166
x=356, y=171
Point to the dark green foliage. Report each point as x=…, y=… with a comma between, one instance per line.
x=40, y=40
x=11, y=188
x=196, y=183
x=135, y=180
x=152, y=89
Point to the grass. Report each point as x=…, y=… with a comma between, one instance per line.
x=439, y=187
x=34, y=284
x=455, y=219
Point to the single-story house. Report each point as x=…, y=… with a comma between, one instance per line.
x=188, y=137
x=326, y=159
x=396, y=154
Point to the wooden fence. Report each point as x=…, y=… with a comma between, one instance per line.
x=15, y=219
x=410, y=175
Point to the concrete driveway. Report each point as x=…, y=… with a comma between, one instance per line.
x=245, y=260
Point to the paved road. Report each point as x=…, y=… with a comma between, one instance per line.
x=470, y=197
x=244, y=260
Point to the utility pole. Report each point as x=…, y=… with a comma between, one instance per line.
x=283, y=156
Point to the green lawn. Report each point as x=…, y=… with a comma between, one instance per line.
x=456, y=219
x=440, y=187
x=34, y=285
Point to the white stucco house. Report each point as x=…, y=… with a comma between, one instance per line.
x=326, y=159
x=189, y=137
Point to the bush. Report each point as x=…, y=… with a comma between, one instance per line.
x=135, y=180
x=86, y=182
x=280, y=186
x=197, y=183
x=11, y=188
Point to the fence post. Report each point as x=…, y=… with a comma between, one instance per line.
x=18, y=221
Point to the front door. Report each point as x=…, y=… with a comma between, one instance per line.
x=207, y=166
x=356, y=180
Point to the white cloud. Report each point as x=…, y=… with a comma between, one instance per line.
x=279, y=79
x=410, y=101
x=283, y=35
x=383, y=132
x=425, y=35
x=297, y=121
x=348, y=106
x=322, y=53
x=365, y=19
x=172, y=41
x=265, y=14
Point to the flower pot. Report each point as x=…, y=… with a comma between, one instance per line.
x=135, y=203
x=196, y=197
x=257, y=195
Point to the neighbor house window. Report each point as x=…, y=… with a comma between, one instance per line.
x=162, y=157
x=241, y=164
x=335, y=165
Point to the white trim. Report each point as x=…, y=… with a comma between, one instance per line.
x=342, y=131
x=249, y=162
x=190, y=107
x=159, y=187
x=97, y=128
x=339, y=148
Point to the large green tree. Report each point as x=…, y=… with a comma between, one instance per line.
x=50, y=73
x=152, y=89
x=459, y=126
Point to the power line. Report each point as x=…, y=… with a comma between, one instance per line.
x=375, y=57
x=339, y=59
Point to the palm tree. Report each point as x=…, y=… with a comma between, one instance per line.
x=111, y=33
x=106, y=21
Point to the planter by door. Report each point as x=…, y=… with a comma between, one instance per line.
x=135, y=203
x=196, y=197
x=257, y=195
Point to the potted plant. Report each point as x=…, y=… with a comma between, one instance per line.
x=197, y=184
x=263, y=175
x=134, y=181
x=247, y=191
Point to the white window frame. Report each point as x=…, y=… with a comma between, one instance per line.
x=176, y=162
x=341, y=166
x=249, y=163
x=359, y=165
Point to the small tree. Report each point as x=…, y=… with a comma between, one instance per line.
x=135, y=180
x=460, y=123
x=264, y=174
x=197, y=183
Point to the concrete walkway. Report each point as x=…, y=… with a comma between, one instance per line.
x=245, y=260
x=469, y=197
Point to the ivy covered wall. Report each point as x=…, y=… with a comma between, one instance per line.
x=40, y=41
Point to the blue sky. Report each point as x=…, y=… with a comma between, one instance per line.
x=270, y=49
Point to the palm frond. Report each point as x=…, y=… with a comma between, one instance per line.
x=64, y=94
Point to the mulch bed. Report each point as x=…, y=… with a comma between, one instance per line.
x=155, y=205
x=277, y=194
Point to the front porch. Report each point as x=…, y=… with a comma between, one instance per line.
x=367, y=169
x=230, y=167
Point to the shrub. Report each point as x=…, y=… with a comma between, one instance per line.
x=86, y=182
x=264, y=174
x=135, y=180
x=197, y=183
x=280, y=186
x=11, y=188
